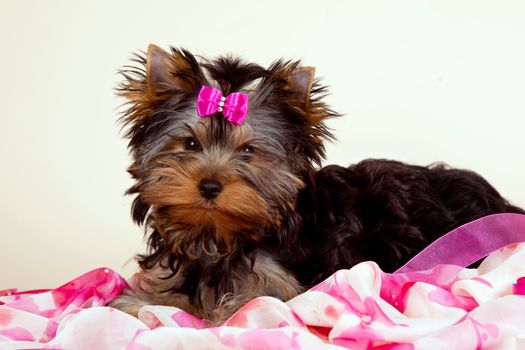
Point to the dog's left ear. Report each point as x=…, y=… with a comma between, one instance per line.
x=301, y=82
x=301, y=98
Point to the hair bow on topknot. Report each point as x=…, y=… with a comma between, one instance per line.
x=233, y=107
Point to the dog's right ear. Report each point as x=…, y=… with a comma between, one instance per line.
x=160, y=76
x=176, y=70
x=157, y=66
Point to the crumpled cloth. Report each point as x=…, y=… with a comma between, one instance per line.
x=447, y=307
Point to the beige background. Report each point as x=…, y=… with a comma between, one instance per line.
x=420, y=81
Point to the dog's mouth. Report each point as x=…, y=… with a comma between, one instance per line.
x=205, y=209
x=209, y=205
x=236, y=209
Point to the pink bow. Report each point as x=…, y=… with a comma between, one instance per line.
x=234, y=106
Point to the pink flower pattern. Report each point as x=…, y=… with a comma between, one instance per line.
x=359, y=308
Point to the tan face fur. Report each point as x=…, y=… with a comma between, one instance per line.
x=230, y=155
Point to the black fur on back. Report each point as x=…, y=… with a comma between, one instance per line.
x=385, y=211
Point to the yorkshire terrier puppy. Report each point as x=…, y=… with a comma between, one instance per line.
x=224, y=157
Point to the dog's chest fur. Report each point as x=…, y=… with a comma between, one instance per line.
x=202, y=290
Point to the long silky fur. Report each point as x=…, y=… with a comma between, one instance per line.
x=308, y=223
x=148, y=119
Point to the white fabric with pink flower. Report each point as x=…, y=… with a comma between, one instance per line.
x=446, y=307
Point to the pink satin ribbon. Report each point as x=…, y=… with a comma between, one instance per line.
x=234, y=107
x=469, y=243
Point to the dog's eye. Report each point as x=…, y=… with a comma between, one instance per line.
x=191, y=144
x=246, y=153
x=247, y=149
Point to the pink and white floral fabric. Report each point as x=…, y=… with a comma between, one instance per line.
x=446, y=307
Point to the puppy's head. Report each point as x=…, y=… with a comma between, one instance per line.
x=205, y=184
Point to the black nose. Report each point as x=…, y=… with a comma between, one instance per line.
x=210, y=188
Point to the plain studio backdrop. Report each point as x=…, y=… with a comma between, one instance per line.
x=418, y=81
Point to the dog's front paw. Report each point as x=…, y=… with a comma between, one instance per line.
x=129, y=302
